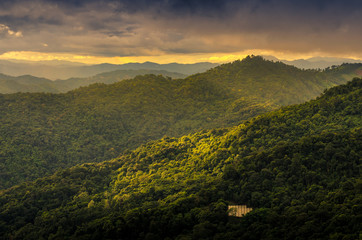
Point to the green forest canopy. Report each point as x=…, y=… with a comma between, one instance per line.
x=43, y=132
x=298, y=168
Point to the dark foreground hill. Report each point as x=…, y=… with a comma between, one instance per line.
x=42, y=132
x=297, y=167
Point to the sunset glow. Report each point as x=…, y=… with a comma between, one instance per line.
x=118, y=32
x=161, y=59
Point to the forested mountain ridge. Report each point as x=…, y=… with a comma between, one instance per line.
x=283, y=84
x=64, y=70
x=28, y=83
x=42, y=132
x=25, y=83
x=346, y=70
x=251, y=69
x=111, y=77
x=315, y=62
x=297, y=167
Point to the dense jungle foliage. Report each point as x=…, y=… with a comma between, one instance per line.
x=43, y=132
x=297, y=167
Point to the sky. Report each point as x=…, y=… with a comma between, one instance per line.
x=188, y=31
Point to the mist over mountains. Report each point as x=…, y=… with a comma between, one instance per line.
x=54, y=70
x=28, y=83
x=315, y=62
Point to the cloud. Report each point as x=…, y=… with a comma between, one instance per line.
x=140, y=27
x=6, y=31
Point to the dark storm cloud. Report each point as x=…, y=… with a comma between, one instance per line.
x=136, y=27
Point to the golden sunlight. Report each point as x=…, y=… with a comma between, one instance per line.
x=161, y=59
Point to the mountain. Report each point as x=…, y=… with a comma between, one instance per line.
x=316, y=62
x=63, y=70
x=25, y=83
x=28, y=83
x=277, y=82
x=320, y=63
x=110, y=77
x=298, y=168
x=186, y=69
x=345, y=71
x=43, y=132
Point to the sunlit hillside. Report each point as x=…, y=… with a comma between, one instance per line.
x=297, y=167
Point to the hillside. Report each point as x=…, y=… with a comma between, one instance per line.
x=25, y=83
x=297, y=167
x=345, y=71
x=266, y=77
x=28, y=83
x=277, y=82
x=316, y=62
x=110, y=77
x=40, y=133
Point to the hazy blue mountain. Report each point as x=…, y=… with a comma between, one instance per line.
x=28, y=83
x=63, y=70
x=110, y=77
x=315, y=62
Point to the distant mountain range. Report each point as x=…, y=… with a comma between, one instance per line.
x=63, y=70
x=28, y=83
x=315, y=62
x=54, y=70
